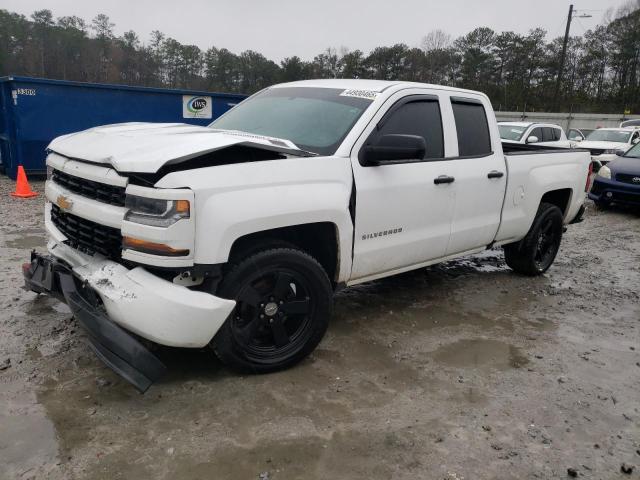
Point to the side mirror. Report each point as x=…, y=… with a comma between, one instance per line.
x=532, y=139
x=635, y=141
x=393, y=147
x=576, y=139
x=620, y=153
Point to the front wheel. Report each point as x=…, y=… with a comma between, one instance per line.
x=283, y=304
x=534, y=254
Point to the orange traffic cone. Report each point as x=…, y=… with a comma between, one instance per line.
x=23, y=190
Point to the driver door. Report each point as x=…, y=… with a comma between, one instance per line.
x=403, y=218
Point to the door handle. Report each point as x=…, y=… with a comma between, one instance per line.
x=495, y=174
x=443, y=179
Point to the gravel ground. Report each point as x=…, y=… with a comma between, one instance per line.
x=460, y=371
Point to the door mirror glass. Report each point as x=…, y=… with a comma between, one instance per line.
x=393, y=147
x=533, y=139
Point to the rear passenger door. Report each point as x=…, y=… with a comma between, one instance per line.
x=550, y=136
x=480, y=175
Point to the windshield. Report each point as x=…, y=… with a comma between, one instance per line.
x=634, y=152
x=511, y=132
x=315, y=119
x=619, y=136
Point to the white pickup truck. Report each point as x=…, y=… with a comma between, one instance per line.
x=235, y=236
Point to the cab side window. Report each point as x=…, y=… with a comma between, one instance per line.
x=537, y=132
x=419, y=117
x=472, y=127
x=547, y=134
x=574, y=134
x=557, y=134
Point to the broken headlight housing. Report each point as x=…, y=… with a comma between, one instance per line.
x=155, y=212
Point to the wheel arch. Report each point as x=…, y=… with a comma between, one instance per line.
x=321, y=240
x=561, y=198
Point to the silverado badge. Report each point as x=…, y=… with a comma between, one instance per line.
x=63, y=202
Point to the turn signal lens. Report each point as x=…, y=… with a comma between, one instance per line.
x=182, y=207
x=152, y=247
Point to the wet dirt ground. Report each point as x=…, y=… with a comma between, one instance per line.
x=459, y=371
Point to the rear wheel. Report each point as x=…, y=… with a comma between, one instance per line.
x=535, y=253
x=284, y=301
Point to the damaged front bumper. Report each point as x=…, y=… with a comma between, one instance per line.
x=112, y=344
x=113, y=302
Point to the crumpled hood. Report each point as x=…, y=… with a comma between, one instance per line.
x=602, y=145
x=146, y=147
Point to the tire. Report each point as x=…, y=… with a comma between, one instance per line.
x=284, y=302
x=535, y=253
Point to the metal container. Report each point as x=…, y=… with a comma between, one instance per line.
x=33, y=111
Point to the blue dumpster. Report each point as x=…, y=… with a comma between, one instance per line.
x=33, y=111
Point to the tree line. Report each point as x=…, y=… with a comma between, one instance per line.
x=517, y=71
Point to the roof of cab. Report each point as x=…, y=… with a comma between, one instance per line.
x=373, y=85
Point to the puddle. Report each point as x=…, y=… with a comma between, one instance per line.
x=28, y=444
x=480, y=353
x=27, y=242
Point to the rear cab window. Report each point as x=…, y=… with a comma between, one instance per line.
x=472, y=127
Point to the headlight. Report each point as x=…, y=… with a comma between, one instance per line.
x=609, y=151
x=155, y=212
x=605, y=172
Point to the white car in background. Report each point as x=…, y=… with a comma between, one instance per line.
x=635, y=122
x=546, y=134
x=606, y=143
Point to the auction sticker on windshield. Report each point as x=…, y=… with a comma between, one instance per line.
x=368, y=94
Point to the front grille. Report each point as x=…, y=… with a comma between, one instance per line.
x=626, y=178
x=596, y=151
x=88, y=188
x=87, y=236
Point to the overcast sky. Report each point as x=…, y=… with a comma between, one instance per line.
x=285, y=28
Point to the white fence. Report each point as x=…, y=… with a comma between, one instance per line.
x=567, y=120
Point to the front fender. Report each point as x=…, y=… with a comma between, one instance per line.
x=236, y=200
x=239, y=213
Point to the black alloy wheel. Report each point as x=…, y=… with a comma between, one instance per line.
x=535, y=253
x=283, y=304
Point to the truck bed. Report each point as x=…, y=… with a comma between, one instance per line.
x=528, y=149
x=533, y=170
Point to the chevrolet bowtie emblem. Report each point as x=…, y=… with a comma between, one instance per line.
x=63, y=202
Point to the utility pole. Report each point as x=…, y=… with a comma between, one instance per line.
x=563, y=55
